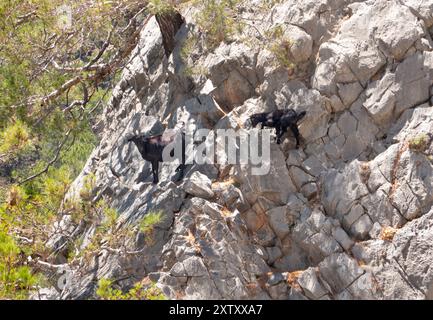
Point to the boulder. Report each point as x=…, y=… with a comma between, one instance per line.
x=199, y=185
x=339, y=271
x=311, y=285
x=302, y=46
x=280, y=220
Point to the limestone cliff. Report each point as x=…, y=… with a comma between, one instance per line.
x=348, y=215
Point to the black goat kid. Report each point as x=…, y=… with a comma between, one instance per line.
x=280, y=120
x=268, y=119
x=151, y=149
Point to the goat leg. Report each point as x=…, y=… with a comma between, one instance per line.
x=155, y=169
x=294, y=129
x=282, y=131
x=180, y=170
x=277, y=133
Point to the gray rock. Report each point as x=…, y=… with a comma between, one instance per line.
x=363, y=287
x=353, y=215
x=279, y=291
x=199, y=185
x=342, y=238
x=337, y=104
x=382, y=98
x=45, y=294
x=413, y=253
x=231, y=197
x=270, y=185
x=394, y=16
x=232, y=74
x=366, y=96
x=253, y=220
x=295, y=205
x=360, y=228
x=178, y=270
x=280, y=221
x=205, y=107
x=274, y=253
x=414, y=81
x=201, y=288
x=309, y=190
x=314, y=166
x=265, y=236
x=339, y=271
x=314, y=237
x=302, y=46
x=341, y=190
x=208, y=170
x=275, y=279
x=423, y=8
x=300, y=177
x=296, y=294
x=294, y=259
x=311, y=285
x=349, y=92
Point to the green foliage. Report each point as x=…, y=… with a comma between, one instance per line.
x=109, y=233
x=279, y=45
x=88, y=186
x=46, y=130
x=14, y=137
x=217, y=22
x=102, y=216
x=39, y=54
x=109, y=218
x=188, y=46
x=221, y=21
x=148, y=223
x=15, y=279
x=197, y=70
x=419, y=143
x=216, y=19
x=31, y=208
x=269, y=4
x=160, y=7
x=105, y=291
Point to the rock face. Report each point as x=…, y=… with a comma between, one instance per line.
x=199, y=185
x=348, y=215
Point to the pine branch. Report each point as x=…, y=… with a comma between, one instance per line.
x=53, y=161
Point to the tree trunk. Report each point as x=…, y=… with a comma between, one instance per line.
x=169, y=24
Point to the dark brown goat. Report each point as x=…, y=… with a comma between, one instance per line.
x=151, y=149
